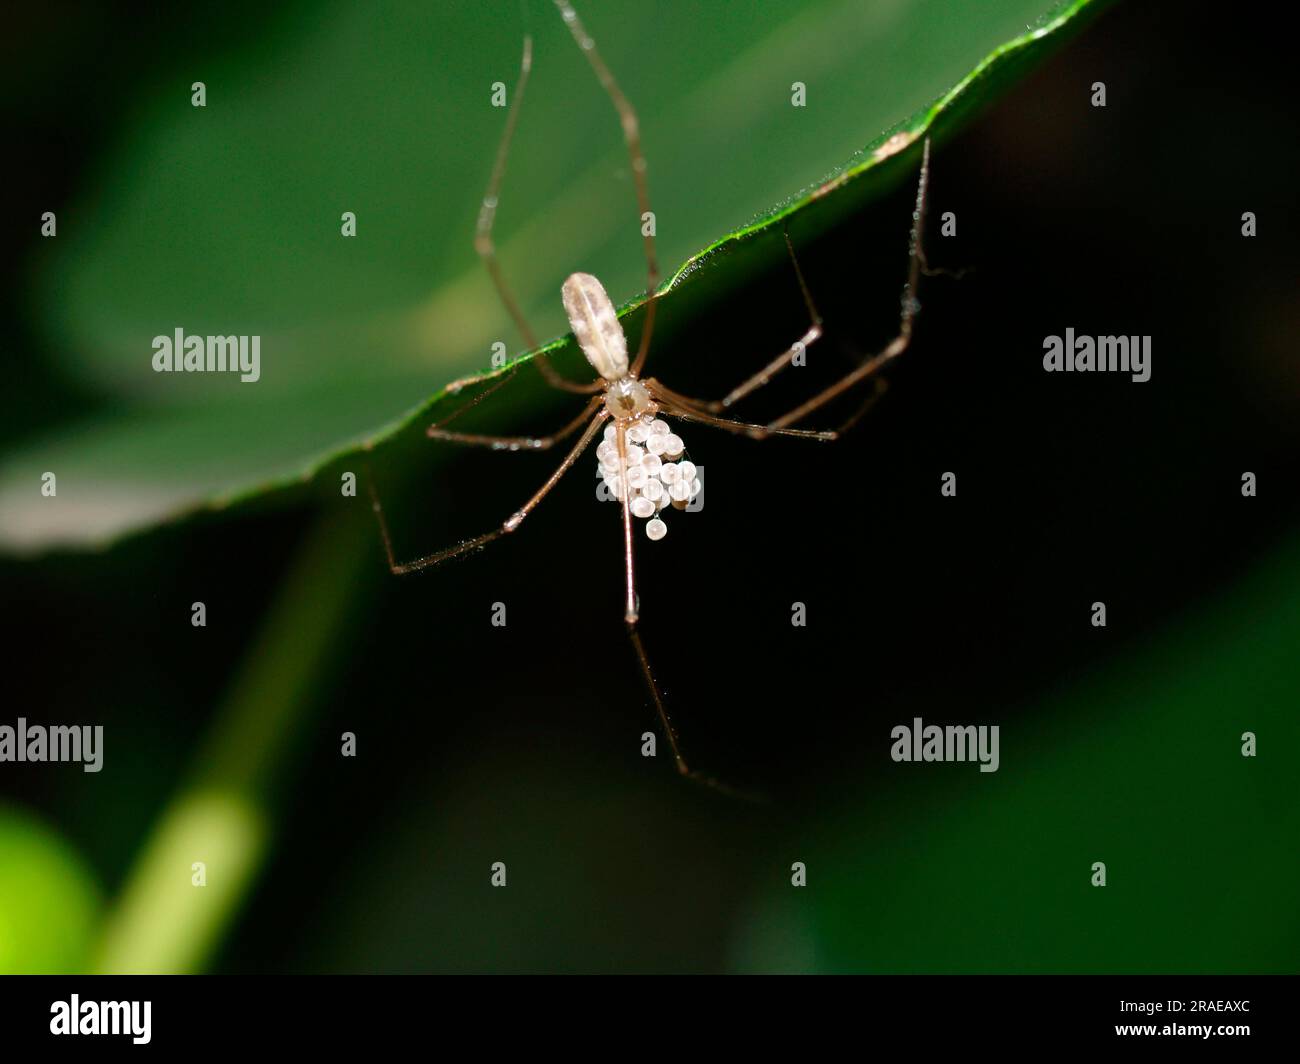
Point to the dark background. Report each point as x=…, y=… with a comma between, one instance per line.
x=522, y=744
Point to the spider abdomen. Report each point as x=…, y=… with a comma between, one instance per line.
x=595, y=324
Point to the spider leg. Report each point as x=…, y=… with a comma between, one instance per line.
x=880, y=387
x=918, y=266
x=486, y=249
x=631, y=615
x=517, y=443
x=765, y=375
x=509, y=525
x=683, y=769
x=910, y=308
x=676, y=405
x=632, y=136
x=457, y=385
x=786, y=358
x=756, y=431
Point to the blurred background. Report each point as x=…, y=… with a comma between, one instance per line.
x=521, y=744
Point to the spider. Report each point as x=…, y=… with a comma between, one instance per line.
x=641, y=460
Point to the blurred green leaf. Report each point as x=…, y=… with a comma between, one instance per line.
x=48, y=900
x=226, y=219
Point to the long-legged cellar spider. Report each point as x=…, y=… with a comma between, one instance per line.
x=641, y=459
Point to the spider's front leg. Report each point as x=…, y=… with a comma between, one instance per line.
x=486, y=247
x=675, y=405
x=787, y=357
x=631, y=127
x=868, y=369
x=764, y=376
x=910, y=307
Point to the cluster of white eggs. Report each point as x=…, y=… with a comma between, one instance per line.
x=658, y=474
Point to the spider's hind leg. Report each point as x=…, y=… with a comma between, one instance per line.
x=515, y=443
x=508, y=525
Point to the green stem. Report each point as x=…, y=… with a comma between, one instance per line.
x=162, y=921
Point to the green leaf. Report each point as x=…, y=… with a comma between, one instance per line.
x=226, y=219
